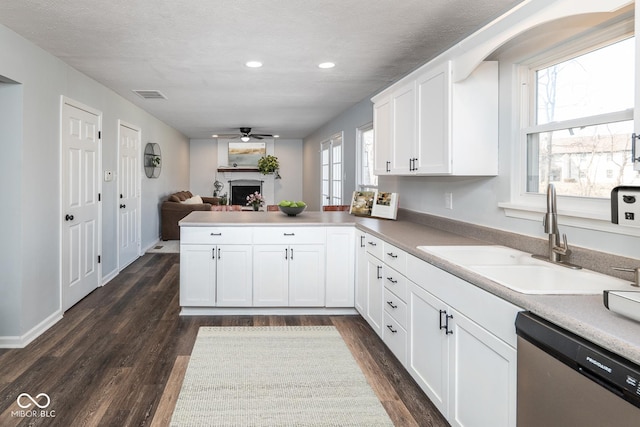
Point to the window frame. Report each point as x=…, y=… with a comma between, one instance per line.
x=583, y=212
x=336, y=140
x=359, y=157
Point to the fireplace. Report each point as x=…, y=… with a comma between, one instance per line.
x=241, y=188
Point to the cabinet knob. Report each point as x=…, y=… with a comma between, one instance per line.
x=391, y=304
x=393, y=331
x=391, y=279
x=392, y=255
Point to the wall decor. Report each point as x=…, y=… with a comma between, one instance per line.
x=385, y=205
x=246, y=153
x=152, y=160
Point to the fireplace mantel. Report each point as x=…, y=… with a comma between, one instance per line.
x=238, y=169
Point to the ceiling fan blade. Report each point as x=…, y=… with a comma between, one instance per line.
x=261, y=135
x=255, y=136
x=229, y=135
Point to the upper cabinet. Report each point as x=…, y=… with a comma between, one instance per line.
x=429, y=125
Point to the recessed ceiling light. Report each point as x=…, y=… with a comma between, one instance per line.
x=253, y=64
x=326, y=65
x=215, y=135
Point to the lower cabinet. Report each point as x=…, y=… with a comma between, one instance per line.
x=375, y=288
x=215, y=275
x=361, y=273
x=464, y=367
x=289, y=275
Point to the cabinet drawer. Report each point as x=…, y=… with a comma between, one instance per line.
x=395, y=282
x=289, y=235
x=215, y=235
x=395, y=307
x=396, y=258
x=395, y=337
x=374, y=246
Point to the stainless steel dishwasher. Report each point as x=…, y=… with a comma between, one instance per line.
x=565, y=380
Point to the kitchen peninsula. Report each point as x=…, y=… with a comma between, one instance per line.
x=584, y=315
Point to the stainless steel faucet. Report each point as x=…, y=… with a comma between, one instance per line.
x=557, y=249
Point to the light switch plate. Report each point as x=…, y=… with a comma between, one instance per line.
x=625, y=206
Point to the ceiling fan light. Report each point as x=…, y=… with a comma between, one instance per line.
x=244, y=139
x=276, y=136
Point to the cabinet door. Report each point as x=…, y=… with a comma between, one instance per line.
x=361, y=274
x=234, y=275
x=270, y=275
x=306, y=275
x=382, y=136
x=433, y=146
x=197, y=275
x=403, y=125
x=428, y=355
x=340, y=269
x=375, y=287
x=482, y=362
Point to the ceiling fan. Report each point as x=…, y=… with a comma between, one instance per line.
x=245, y=135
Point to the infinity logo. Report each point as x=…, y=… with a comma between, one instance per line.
x=31, y=400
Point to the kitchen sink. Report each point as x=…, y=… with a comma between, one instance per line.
x=520, y=272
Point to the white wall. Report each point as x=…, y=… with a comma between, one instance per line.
x=204, y=164
x=347, y=122
x=32, y=161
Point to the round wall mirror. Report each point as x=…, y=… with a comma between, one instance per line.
x=152, y=160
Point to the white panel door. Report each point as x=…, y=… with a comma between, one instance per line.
x=306, y=275
x=128, y=195
x=234, y=275
x=428, y=355
x=80, y=175
x=270, y=275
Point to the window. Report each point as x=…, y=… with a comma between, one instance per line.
x=331, y=170
x=366, y=178
x=581, y=121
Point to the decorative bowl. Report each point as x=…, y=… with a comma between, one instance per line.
x=291, y=211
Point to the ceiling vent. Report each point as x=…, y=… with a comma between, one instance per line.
x=150, y=94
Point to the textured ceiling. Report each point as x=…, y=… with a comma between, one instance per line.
x=194, y=52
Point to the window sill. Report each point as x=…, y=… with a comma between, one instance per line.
x=580, y=219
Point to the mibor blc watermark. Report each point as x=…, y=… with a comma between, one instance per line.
x=33, y=407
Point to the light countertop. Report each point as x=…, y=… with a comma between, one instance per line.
x=584, y=315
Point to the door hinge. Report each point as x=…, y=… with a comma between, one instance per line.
x=99, y=259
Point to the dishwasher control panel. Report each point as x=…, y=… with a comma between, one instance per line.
x=625, y=205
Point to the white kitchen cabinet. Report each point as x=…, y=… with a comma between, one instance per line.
x=433, y=126
x=375, y=289
x=428, y=355
x=403, y=129
x=452, y=357
x=362, y=276
x=215, y=275
x=340, y=267
x=382, y=135
x=271, y=275
x=289, y=275
x=234, y=275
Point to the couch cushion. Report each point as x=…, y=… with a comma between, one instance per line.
x=174, y=198
x=195, y=200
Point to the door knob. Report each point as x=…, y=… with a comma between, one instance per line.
x=68, y=217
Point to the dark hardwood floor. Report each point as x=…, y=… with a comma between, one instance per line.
x=118, y=357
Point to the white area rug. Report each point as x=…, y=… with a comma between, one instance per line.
x=275, y=376
x=165, y=247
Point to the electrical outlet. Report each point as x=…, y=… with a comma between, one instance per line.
x=448, y=200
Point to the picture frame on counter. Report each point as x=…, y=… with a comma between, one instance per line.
x=380, y=204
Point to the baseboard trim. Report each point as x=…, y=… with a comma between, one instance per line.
x=35, y=332
x=273, y=311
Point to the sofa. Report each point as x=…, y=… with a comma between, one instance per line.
x=177, y=206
